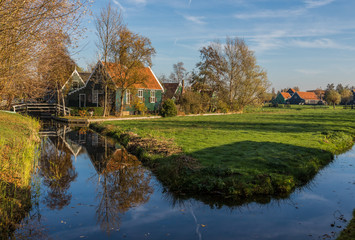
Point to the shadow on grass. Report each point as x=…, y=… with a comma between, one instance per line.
x=240, y=172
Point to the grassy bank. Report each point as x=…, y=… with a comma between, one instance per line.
x=262, y=153
x=18, y=140
x=349, y=232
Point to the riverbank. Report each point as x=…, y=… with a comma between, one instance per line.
x=349, y=232
x=18, y=141
x=242, y=155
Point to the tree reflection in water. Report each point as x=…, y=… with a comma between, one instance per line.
x=124, y=184
x=57, y=170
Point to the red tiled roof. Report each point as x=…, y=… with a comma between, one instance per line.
x=293, y=90
x=151, y=82
x=308, y=95
x=286, y=95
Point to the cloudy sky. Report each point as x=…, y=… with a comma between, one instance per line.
x=305, y=43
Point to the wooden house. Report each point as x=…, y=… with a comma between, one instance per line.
x=75, y=81
x=172, y=90
x=304, y=98
x=291, y=91
x=92, y=94
x=281, y=98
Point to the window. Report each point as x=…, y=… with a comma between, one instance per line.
x=128, y=97
x=140, y=94
x=152, y=96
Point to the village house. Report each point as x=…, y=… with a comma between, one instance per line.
x=306, y=98
x=281, y=98
x=92, y=94
x=291, y=91
x=172, y=90
x=75, y=81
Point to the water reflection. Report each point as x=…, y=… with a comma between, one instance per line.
x=57, y=170
x=122, y=183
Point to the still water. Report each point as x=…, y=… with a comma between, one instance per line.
x=88, y=187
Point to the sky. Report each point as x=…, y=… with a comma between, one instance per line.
x=304, y=43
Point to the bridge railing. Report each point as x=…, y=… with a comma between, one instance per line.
x=41, y=107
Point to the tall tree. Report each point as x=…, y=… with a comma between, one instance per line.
x=131, y=52
x=108, y=25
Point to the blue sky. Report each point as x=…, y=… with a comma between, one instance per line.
x=305, y=43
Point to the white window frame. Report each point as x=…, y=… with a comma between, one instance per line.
x=128, y=96
x=80, y=95
x=152, y=96
x=140, y=94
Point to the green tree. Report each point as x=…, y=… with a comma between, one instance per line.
x=346, y=96
x=168, y=109
x=333, y=97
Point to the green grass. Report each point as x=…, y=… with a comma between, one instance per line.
x=18, y=141
x=349, y=232
x=270, y=151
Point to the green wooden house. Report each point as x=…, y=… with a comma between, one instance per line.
x=92, y=94
x=281, y=98
x=76, y=80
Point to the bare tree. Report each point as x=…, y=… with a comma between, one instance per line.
x=55, y=64
x=23, y=23
x=131, y=53
x=108, y=25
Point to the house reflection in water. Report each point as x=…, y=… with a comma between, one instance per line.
x=122, y=182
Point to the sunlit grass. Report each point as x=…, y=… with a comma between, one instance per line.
x=286, y=146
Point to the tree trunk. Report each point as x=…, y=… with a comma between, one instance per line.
x=333, y=105
x=63, y=102
x=121, y=105
x=105, y=101
x=58, y=103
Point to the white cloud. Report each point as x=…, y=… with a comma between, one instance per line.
x=190, y=2
x=119, y=5
x=139, y=1
x=317, y=3
x=284, y=13
x=324, y=43
x=194, y=19
x=270, y=14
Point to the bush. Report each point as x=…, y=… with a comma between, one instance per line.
x=98, y=111
x=168, y=108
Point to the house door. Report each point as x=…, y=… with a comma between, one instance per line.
x=82, y=100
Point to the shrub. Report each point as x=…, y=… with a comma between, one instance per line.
x=191, y=102
x=139, y=106
x=168, y=109
x=98, y=111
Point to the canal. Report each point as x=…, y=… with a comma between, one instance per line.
x=88, y=187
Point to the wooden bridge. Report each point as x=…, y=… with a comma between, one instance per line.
x=40, y=108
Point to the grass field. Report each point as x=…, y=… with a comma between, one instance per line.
x=18, y=140
x=265, y=152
